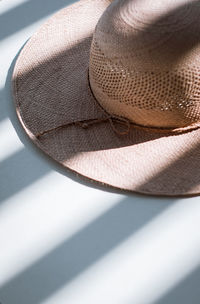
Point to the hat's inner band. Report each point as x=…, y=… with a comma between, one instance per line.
x=119, y=124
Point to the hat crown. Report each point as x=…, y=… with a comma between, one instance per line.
x=145, y=61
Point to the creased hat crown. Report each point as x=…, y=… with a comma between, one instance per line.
x=145, y=62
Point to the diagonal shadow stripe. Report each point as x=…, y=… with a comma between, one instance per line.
x=187, y=291
x=76, y=254
x=21, y=181
x=27, y=13
x=19, y=171
x=3, y=106
x=6, y=102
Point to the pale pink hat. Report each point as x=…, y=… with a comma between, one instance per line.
x=111, y=90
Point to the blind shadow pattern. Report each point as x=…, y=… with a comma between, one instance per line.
x=27, y=13
x=64, y=263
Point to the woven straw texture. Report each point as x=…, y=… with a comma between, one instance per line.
x=147, y=66
x=50, y=87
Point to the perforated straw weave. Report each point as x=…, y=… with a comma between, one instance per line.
x=140, y=70
x=144, y=74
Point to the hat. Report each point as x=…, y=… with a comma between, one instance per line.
x=111, y=90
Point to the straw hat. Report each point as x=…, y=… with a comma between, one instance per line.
x=111, y=90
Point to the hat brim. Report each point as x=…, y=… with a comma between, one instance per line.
x=50, y=87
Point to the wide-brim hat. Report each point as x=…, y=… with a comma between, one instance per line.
x=111, y=90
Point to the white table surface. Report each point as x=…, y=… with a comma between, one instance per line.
x=64, y=241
